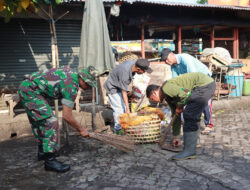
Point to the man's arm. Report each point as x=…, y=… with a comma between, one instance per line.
x=125, y=99
x=68, y=116
x=176, y=124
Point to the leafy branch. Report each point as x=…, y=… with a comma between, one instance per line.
x=10, y=7
x=202, y=1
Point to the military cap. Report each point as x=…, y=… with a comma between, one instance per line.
x=88, y=75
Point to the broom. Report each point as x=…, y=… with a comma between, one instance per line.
x=123, y=143
x=164, y=136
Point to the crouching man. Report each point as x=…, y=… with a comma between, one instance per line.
x=117, y=86
x=192, y=90
x=59, y=83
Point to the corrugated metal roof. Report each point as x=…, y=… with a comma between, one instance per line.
x=169, y=3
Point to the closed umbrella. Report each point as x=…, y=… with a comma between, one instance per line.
x=95, y=48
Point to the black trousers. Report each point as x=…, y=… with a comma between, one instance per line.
x=195, y=106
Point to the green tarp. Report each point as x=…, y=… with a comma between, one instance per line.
x=95, y=46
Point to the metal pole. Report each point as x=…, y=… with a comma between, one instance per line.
x=218, y=95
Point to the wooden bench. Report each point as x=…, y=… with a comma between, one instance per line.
x=12, y=100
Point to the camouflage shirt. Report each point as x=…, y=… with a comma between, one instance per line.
x=57, y=83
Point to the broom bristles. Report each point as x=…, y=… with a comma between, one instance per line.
x=120, y=142
x=116, y=138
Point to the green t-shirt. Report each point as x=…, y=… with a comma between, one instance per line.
x=180, y=88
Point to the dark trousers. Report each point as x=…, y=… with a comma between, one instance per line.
x=195, y=106
x=208, y=114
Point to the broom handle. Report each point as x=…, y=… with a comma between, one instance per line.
x=164, y=136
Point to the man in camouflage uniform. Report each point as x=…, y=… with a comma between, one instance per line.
x=57, y=83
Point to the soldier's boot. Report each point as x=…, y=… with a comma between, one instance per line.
x=51, y=164
x=189, y=152
x=41, y=154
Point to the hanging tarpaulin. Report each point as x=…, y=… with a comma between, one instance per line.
x=95, y=46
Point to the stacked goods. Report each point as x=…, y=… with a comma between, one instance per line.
x=192, y=46
x=150, y=45
x=143, y=126
x=217, y=58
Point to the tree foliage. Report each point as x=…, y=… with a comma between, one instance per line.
x=202, y=1
x=9, y=7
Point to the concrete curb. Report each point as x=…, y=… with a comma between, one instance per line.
x=232, y=103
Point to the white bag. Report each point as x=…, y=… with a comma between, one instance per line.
x=140, y=84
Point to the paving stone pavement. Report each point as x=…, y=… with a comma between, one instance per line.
x=223, y=163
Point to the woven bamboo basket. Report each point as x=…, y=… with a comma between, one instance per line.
x=127, y=56
x=146, y=132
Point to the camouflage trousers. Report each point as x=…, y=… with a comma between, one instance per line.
x=46, y=131
x=43, y=122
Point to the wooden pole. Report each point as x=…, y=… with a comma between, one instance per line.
x=53, y=34
x=212, y=31
x=142, y=42
x=212, y=36
x=93, y=109
x=236, y=44
x=54, y=49
x=55, y=60
x=56, y=46
x=179, y=40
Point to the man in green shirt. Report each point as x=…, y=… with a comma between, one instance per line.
x=192, y=90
